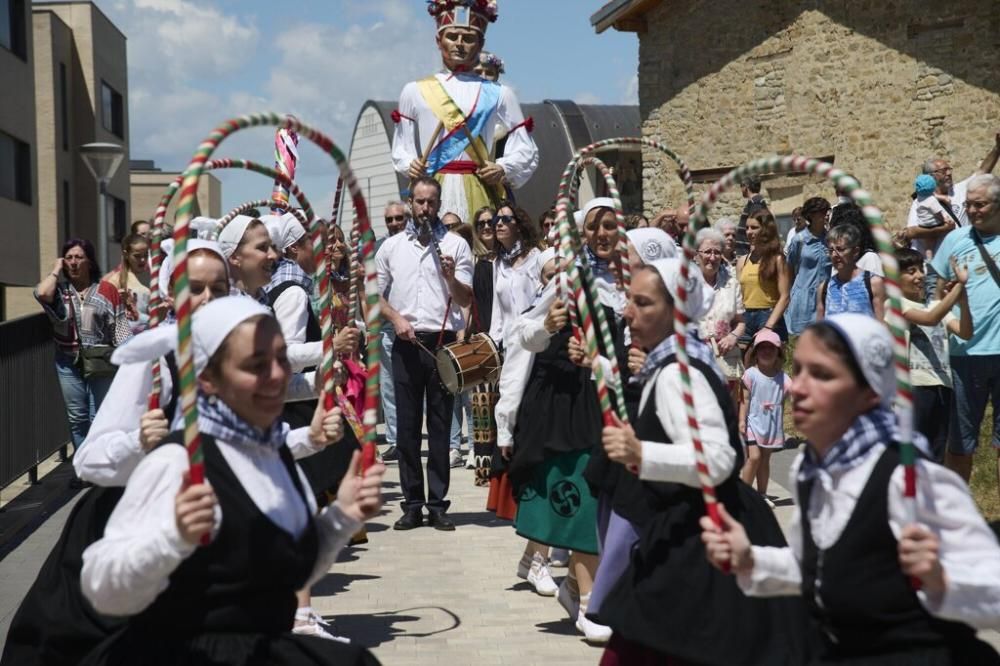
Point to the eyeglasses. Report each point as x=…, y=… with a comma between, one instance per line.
x=839, y=251
x=395, y=218
x=943, y=170
x=976, y=205
x=710, y=253
x=506, y=219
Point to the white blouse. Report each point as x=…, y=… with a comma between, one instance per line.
x=130, y=566
x=676, y=462
x=112, y=450
x=969, y=553
x=514, y=287
x=291, y=309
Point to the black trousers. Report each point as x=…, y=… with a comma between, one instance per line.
x=416, y=378
x=932, y=416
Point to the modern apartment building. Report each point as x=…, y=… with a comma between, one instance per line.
x=77, y=72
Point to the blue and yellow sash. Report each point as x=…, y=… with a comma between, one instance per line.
x=455, y=140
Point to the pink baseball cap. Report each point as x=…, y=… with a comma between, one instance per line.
x=767, y=335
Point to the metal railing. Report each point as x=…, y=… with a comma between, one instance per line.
x=33, y=422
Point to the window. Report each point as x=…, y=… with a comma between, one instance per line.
x=64, y=105
x=112, y=111
x=15, y=169
x=115, y=211
x=12, y=27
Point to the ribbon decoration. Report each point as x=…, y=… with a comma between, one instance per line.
x=192, y=174
x=286, y=160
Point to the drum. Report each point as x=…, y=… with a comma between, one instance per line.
x=471, y=362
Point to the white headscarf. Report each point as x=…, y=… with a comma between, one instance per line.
x=167, y=265
x=201, y=227
x=871, y=346
x=210, y=326
x=232, y=234
x=699, y=294
x=652, y=243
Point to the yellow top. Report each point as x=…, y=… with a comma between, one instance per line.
x=757, y=295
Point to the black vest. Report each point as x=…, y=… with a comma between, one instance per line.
x=313, y=332
x=245, y=579
x=636, y=500
x=857, y=594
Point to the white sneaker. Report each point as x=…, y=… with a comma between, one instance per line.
x=455, y=458
x=470, y=461
x=592, y=632
x=566, y=599
x=540, y=577
x=524, y=566
x=559, y=557
x=314, y=625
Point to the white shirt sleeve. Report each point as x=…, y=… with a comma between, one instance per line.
x=302, y=387
x=300, y=445
x=528, y=330
x=777, y=572
x=969, y=552
x=676, y=462
x=871, y=262
x=291, y=309
x=126, y=570
x=513, y=378
x=334, y=529
x=927, y=211
x=383, y=273
x=520, y=155
x=404, y=147
x=112, y=450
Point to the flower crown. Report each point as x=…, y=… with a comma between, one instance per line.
x=444, y=13
x=487, y=59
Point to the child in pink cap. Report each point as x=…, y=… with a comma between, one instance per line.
x=762, y=408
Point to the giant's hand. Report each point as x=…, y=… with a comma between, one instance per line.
x=491, y=173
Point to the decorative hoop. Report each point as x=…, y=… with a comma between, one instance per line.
x=189, y=186
x=894, y=318
x=244, y=207
x=156, y=309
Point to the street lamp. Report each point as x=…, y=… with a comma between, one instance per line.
x=102, y=159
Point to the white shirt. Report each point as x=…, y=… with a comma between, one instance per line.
x=520, y=158
x=419, y=291
x=111, y=451
x=516, y=369
x=291, y=309
x=130, y=566
x=514, y=288
x=969, y=551
x=676, y=462
x=958, y=193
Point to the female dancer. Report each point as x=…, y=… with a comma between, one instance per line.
x=211, y=604
x=855, y=547
x=668, y=607
x=559, y=424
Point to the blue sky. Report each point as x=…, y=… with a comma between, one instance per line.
x=195, y=63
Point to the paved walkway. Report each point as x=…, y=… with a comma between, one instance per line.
x=423, y=596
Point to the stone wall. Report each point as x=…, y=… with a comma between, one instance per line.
x=881, y=85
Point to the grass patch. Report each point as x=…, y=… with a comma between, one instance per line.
x=983, y=483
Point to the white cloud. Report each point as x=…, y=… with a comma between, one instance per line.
x=587, y=98
x=631, y=95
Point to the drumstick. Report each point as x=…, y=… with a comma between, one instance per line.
x=482, y=159
x=429, y=148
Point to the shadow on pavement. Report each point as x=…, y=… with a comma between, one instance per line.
x=481, y=518
x=336, y=583
x=371, y=630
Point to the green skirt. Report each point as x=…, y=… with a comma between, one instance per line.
x=556, y=507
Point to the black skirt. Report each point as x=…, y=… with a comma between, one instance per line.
x=224, y=649
x=672, y=601
x=55, y=624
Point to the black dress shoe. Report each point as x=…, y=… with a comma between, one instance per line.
x=390, y=455
x=439, y=521
x=409, y=521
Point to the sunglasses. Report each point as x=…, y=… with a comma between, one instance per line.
x=395, y=218
x=506, y=219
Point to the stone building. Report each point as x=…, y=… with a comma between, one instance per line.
x=877, y=87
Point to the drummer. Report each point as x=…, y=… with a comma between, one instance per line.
x=430, y=272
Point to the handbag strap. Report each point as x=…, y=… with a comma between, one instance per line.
x=991, y=265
